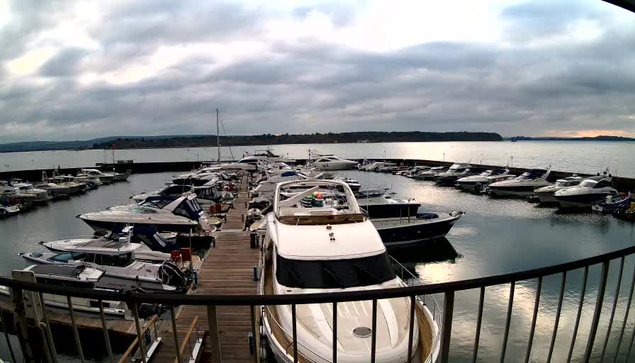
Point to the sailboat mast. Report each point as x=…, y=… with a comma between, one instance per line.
x=218, y=135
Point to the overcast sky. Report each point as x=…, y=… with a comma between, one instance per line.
x=78, y=69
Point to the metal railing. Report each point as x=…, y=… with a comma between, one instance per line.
x=444, y=316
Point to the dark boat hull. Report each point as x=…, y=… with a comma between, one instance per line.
x=392, y=210
x=412, y=234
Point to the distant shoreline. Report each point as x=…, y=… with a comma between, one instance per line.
x=163, y=142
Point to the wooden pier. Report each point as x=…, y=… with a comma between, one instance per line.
x=227, y=270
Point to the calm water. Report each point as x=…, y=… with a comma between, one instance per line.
x=495, y=236
x=582, y=156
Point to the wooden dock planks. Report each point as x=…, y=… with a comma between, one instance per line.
x=227, y=270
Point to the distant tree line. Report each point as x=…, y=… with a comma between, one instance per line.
x=316, y=138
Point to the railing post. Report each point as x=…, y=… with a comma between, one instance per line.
x=19, y=311
x=628, y=308
x=373, y=339
x=510, y=306
x=105, y=329
x=597, y=312
x=254, y=333
x=294, y=322
x=411, y=328
x=177, y=346
x=532, y=330
x=140, y=340
x=335, y=332
x=617, y=296
x=446, y=331
x=479, y=321
x=577, y=319
x=78, y=342
x=558, y=311
x=213, y=332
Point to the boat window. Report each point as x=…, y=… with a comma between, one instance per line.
x=588, y=183
x=114, y=260
x=68, y=256
x=602, y=184
x=142, y=210
x=334, y=274
x=182, y=210
x=157, y=203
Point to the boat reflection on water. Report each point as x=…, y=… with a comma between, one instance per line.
x=437, y=250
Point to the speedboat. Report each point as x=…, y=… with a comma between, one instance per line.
x=121, y=268
x=521, y=186
x=546, y=194
x=388, y=167
x=377, y=204
x=430, y=173
x=163, y=213
x=612, y=204
x=414, y=171
x=153, y=246
x=77, y=276
x=266, y=155
x=9, y=210
x=332, y=162
x=267, y=187
x=455, y=172
x=401, y=232
x=591, y=191
x=11, y=195
x=202, y=176
x=354, y=184
x=477, y=182
x=372, y=166
x=206, y=195
x=41, y=195
x=104, y=178
x=328, y=246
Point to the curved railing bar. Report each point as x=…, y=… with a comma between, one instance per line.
x=244, y=300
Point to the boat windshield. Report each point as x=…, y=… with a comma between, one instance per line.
x=68, y=256
x=588, y=183
x=113, y=260
x=334, y=274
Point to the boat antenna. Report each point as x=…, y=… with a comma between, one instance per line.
x=218, y=134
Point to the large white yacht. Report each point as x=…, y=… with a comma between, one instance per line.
x=484, y=179
x=547, y=194
x=317, y=240
x=164, y=213
x=590, y=191
x=331, y=162
x=455, y=172
x=521, y=186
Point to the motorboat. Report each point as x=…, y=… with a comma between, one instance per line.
x=120, y=266
x=332, y=162
x=41, y=195
x=68, y=181
x=450, y=176
x=546, y=194
x=352, y=183
x=378, y=204
x=119, y=177
x=164, y=213
x=266, y=155
x=612, y=204
x=401, y=232
x=56, y=191
x=9, y=210
x=267, y=187
x=329, y=246
x=76, y=276
x=91, y=182
x=521, y=186
x=484, y=179
x=11, y=195
x=206, y=195
x=388, y=167
x=154, y=246
x=372, y=166
x=202, y=176
x=430, y=173
x=591, y=191
x=104, y=178
x=414, y=171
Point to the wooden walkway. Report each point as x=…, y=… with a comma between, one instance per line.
x=227, y=270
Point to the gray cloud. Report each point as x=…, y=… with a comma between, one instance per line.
x=308, y=85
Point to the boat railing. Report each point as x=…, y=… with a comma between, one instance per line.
x=589, y=336
x=144, y=345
